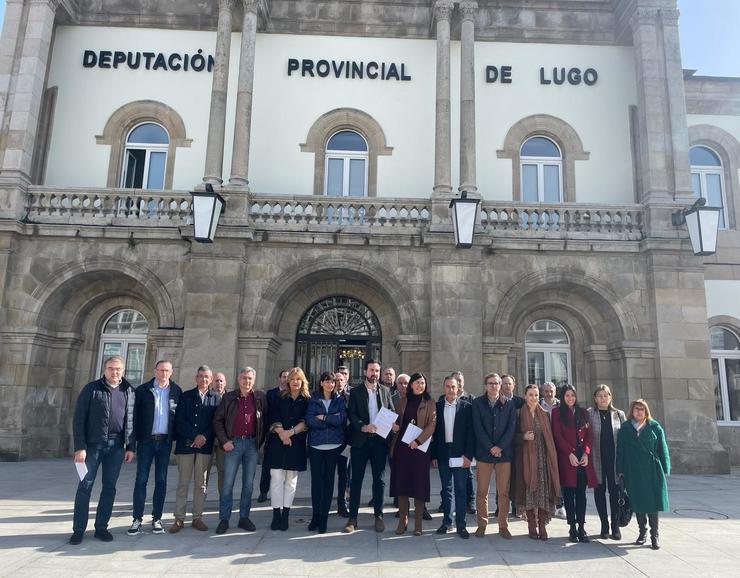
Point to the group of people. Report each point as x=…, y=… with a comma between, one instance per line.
x=543, y=451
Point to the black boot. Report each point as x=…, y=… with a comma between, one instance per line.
x=654, y=543
x=275, y=525
x=616, y=531
x=284, y=519
x=604, y=529
x=643, y=531
x=582, y=536
x=573, y=534
x=323, y=521
x=314, y=523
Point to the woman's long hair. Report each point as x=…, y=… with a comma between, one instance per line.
x=604, y=387
x=564, y=410
x=304, y=391
x=412, y=379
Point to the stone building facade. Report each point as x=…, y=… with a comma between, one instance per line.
x=573, y=122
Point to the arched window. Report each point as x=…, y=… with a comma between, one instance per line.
x=707, y=179
x=548, y=353
x=726, y=371
x=124, y=333
x=346, y=165
x=145, y=157
x=541, y=170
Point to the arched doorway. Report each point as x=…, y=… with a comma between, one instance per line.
x=337, y=331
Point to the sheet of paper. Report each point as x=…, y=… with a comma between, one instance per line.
x=384, y=421
x=413, y=432
x=456, y=462
x=81, y=470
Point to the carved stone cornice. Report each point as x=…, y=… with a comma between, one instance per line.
x=443, y=10
x=669, y=16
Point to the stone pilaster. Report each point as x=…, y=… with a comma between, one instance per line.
x=663, y=134
x=456, y=325
x=217, y=119
x=468, y=11
x=442, y=131
x=243, y=121
x=683, y=394
x=22, y=82
x=259, y=352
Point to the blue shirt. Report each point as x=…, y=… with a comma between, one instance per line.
x=161, y=409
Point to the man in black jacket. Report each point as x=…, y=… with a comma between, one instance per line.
x=365, y=401
x=453, y=438
x=154, y=428
x=194, y=447
x=102, y=427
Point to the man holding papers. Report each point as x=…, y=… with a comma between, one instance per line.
x=494, y=421
x=453, y=448
x=411, y=458
x=365, y=403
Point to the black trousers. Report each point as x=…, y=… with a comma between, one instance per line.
x=642, y=520
x=608, y=482
x=375, y=451
x=469, y=492
x=575, y=499
x=323, y=468
x=265, y=478
x=342, y=480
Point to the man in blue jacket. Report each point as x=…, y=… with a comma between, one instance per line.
x=194, y=447
x=494, y=421
x=154, y=429
x=102, y=427
x=453, y=438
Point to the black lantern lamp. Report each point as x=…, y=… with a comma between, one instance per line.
x=208, y=206
x=702, y=223
x=464, y=217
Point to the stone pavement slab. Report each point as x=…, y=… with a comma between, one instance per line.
x=700, y=536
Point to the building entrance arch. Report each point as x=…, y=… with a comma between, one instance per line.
x=337, y=330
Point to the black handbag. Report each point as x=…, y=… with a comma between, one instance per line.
x=624, y=515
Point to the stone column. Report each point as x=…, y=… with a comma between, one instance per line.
x=442, y=131
x=217, y=119
x=243, y=122
x=22, y=78
x=662, y=129
x=468, y=11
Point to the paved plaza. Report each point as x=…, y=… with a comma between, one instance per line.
x=700, y=536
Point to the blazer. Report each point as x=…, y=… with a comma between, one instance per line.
x=144, y=410
x=567, y=439
x=463, y=438
x=359, y=413
x=494, y=427
x=223, y=419
x=193, y=418
x=426, y=415
x=617, y=419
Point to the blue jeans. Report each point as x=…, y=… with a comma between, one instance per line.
x=147, y=451
x=109, y=456
x=459, y=478
x=244, y=453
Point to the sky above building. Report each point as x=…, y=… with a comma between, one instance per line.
x=709, y=36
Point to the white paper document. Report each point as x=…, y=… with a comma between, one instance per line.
x=456, y=462
x=384, y=421
x=81, y=470
x=413, y=432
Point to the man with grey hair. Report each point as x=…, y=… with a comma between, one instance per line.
x=194, y=447
x=549, y=401
x=241, y=426
x=103, y=438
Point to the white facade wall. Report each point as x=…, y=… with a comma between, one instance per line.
x=723, y=298
x=285, y=107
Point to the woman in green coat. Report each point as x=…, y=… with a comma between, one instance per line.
x=643, y=460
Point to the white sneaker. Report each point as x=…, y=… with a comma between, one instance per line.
x=560, y=513
x=157, y=527
x=135, y=528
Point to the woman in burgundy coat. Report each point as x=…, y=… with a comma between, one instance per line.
x=571, y=428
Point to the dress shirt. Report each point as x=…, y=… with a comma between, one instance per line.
x=372, y=402
x=161, y=409
x=450, y=410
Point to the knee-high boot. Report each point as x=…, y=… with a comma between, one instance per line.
x=403, y=514
x=653, y=519
x=418, y=516
x=542, y=523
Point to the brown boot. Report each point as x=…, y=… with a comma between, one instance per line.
x=542, y=523
x=532, y=524
x=403, y=514
x=418, y=516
